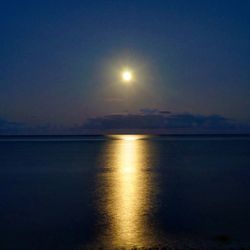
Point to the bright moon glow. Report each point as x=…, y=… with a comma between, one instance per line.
x=129, y=137
x=127, y=76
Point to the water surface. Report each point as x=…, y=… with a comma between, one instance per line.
x=125, y=191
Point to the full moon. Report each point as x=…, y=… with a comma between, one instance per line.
x=127, y=76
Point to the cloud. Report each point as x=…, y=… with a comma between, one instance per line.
x=153, y=120
x=166, y=112
x=18, y=128
x=147, y=111
x=145, y=121
x=7, y=127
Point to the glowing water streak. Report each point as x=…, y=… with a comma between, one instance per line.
x=127, y=198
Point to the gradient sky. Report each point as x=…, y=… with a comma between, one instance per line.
x=60, y=59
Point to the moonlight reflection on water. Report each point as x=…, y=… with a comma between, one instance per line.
x=127, y=191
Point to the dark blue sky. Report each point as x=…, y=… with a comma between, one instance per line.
x=59, y=59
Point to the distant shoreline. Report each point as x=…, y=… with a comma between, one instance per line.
x=108, y=134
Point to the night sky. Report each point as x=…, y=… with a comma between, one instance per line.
x=60, y=60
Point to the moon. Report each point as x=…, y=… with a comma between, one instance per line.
x=127, y=76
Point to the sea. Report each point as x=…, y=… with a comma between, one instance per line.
x=125, y=192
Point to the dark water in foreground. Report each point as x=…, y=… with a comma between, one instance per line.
x=90, y=192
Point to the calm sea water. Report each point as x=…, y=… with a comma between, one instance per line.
x=125, y=191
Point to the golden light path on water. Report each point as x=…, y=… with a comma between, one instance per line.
x=127, y=191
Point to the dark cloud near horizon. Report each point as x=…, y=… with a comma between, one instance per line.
x=152, y=119
x=147, y=120
x=10, y=127
x=154, y=111
x=19, y=128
